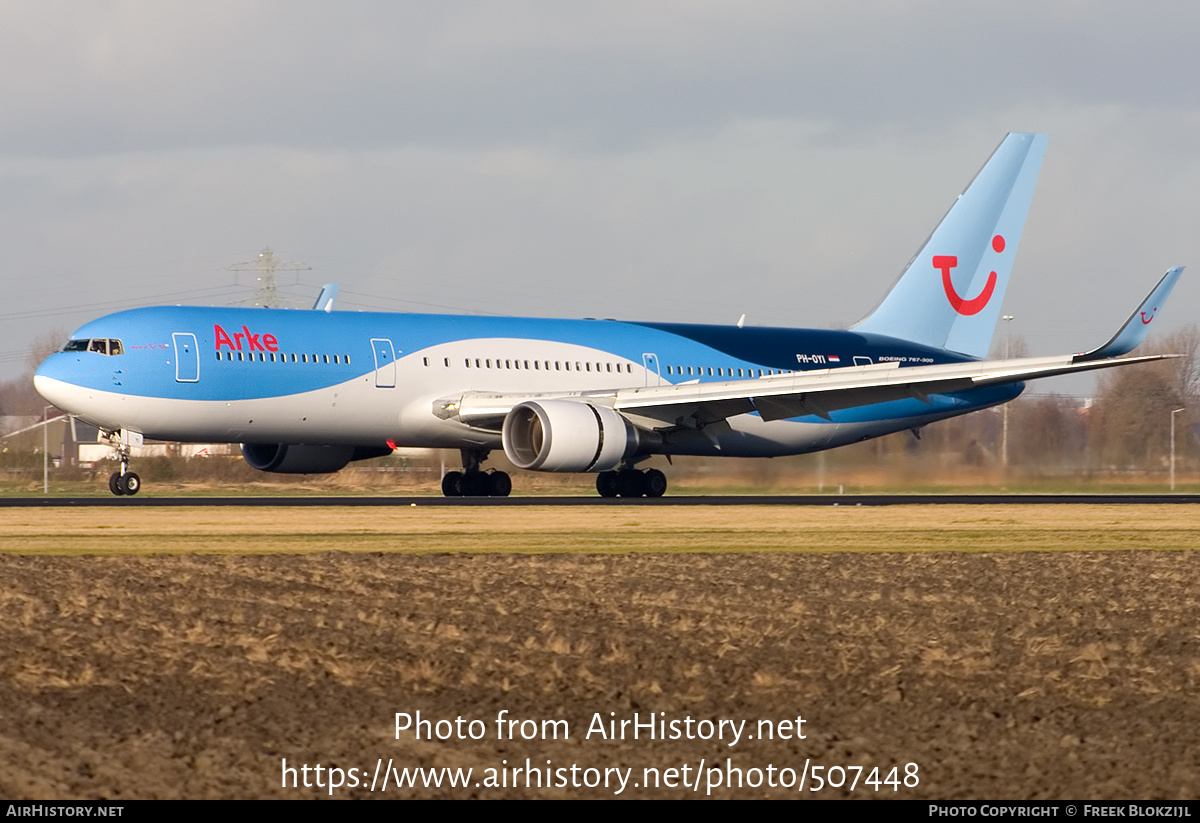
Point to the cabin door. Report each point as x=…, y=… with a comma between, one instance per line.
x=187, y=359
x=653, y=375
x=385, y=363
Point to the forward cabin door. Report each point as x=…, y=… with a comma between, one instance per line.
x=385, y=363
x=187, y=358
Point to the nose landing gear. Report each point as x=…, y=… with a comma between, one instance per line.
x=123, y=482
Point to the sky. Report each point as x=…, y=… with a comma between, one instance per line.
x=675, y=161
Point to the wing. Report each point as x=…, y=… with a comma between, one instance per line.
x=783, y=396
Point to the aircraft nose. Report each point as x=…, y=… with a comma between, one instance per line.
x=50, y=380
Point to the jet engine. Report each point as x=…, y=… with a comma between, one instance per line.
x=568, y=436
x=290, y=458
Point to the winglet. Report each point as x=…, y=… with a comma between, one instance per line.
x=326, y=297
x=1134, y=331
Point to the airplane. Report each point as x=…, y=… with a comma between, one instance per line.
x=310, y=391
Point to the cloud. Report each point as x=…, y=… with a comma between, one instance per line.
x=672, y=160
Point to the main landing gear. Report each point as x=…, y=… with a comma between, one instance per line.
x=631, y=483
x=472, y=482
x=122, y=482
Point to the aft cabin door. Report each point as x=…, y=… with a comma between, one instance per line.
x=385, y=363
x=187, y=359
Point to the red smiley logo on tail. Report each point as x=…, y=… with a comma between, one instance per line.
x=946, y=262
x=1146, y=320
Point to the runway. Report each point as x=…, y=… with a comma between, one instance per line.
x=698, y=500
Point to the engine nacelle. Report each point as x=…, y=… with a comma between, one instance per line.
x=289, y=458
x=567, y=436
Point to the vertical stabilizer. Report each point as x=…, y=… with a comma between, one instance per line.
x=950, y=294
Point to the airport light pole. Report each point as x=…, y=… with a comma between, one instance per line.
x=1177, y=411
x=45, y=450
x=1008, y=318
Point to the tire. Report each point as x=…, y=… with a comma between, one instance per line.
x=631, y=483
x=501, y=484
x=114, y=484
x=130, y=484
x=452, y=484
x=606, y=484
x=655, y=483
x=476, y=484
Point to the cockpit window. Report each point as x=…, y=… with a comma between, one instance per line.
x=99, y=345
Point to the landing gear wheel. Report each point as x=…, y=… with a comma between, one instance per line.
x=501, y=484
x=630, y=483
x=476, y=484
x=606, y=484
x=114, y=483
x=655, y=483
x=130, y=484
x=452, y=484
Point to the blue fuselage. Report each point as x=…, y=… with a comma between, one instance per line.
x=370, y=379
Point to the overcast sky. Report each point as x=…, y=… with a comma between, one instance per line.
x=685, y=161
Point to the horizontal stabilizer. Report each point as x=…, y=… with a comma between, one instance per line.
x=1134, y=331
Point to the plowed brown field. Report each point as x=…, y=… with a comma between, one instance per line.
x=1070, y=669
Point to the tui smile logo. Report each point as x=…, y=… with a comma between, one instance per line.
x=1146, y=318
x=945, y=262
